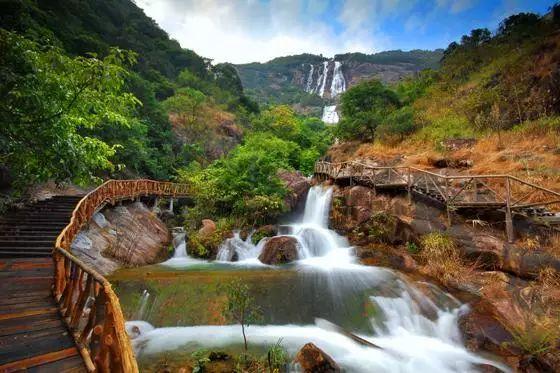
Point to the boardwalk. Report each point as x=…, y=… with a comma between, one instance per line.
x=501, y=193
x=33, y=335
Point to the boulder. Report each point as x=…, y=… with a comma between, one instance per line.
x=359, y=199
x=279, y=249
x=312, y=359
x=264, y=231
x=297, y=184
x=128, y=235
x=208, y=227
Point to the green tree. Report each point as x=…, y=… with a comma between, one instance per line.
x=241, y=306
x=364, y=108
x=48, y=104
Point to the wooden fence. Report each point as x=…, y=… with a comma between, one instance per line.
x=86, y=300
x=500, y=192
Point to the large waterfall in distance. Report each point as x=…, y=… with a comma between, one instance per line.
x=415, y=332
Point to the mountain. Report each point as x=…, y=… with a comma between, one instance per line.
x=309, y=82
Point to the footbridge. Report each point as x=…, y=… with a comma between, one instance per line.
x=503, y=193
x=56, y=313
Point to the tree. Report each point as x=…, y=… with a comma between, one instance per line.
x=364, y=108
x=49, y=105
x=241, y=306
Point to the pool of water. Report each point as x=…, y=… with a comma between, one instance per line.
x=176, y=307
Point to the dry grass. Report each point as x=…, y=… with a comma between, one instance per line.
x=441, y=259
x=534, y=334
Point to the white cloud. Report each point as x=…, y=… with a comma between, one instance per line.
x=249, y=30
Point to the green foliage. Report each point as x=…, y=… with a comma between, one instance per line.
x=50, y=103
x=276, y=356
x=240, y=306
x=412, y=248
x=364, y=107
x=200, y=358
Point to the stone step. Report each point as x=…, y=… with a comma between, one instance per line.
x=24, y=253
x=28, y=243
x=27, y=237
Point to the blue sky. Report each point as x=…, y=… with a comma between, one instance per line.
x=241, y=31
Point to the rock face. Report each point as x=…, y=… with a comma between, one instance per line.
x=130, y=235
x=312, y=359
x=297, y=185
x=279, y=249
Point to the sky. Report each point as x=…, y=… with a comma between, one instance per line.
x=241, y=31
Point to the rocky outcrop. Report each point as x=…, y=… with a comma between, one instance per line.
x=279, y=249
x=263, y=232
x=130, y=235
x=208, y=227
x=312, y=359
x=297, y=184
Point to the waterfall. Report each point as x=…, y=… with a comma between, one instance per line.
x=338, y=84
x=330, y=116
x=309, y=82
x=180, y=256
x=142, y=305
x=414, y=333
x=324, y=81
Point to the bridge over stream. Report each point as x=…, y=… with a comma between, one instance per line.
x=56, y=313
x=506, y=194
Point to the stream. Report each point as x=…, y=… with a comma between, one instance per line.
x=175, y=307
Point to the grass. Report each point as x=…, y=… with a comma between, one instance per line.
x=534, y=334
x=440, y=256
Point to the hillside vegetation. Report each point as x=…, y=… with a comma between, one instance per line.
x=501, y=89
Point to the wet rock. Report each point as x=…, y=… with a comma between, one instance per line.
x=208, y=227
x=386, y=256
x=279, y=249
x=297, y=184
x=312, y=360
x=264, y=231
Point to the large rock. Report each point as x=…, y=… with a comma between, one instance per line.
x=297, y=184
x=130, y=235
x=208, y=227
x=312, y=359
x=279, y=249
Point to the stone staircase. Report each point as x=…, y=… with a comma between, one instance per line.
x=32, y=231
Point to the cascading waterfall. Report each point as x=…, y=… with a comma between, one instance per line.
x=414, y=332
x=338, y=84
x=140, y=314
x=324, y=80
x=330, y=115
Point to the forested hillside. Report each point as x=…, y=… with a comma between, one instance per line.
x=499, y=91
x=287, y=80
x=105, y=48
x=95, y=89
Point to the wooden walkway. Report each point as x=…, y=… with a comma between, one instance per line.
x=33, y=336
x=501, y=193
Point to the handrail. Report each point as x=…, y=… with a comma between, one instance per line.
x=85, y=298
x=454, y=191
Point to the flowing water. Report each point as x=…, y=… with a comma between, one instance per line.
x=415, y=324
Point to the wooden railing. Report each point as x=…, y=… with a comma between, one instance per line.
x=504, y=192
x=86, y=300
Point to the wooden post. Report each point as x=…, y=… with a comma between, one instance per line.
x=509, y=222
x=447, y=207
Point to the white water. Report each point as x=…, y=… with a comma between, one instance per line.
x=140, y=314
x=330, y=114
x=415, y=334
x=338, y=84
x=180, y=257
x=324, y=81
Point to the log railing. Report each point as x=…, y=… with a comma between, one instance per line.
x=85, y=298
x=504, y=192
